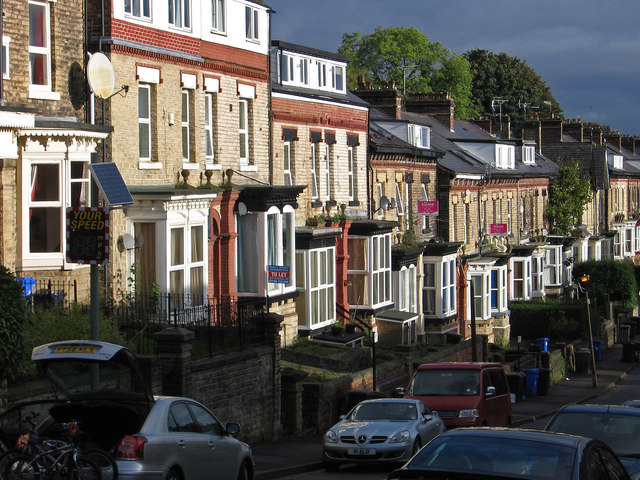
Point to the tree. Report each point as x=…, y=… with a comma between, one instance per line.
x=498, y=75
x=407, y=57
x=14, y=313
x=568, y=195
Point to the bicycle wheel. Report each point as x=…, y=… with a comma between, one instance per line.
x=83, y=468
x=19, y=467
x=106, y=463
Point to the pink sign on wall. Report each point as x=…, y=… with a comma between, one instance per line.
x=498, y=228
x=428, y=207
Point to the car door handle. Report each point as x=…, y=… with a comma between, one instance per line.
x=182, y=443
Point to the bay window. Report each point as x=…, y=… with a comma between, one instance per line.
x=498, y=289
x=407, y=289
x=369, y=270
x=553, y=265
x=316, y=278
x=521, y=278
x=439, y=287
x=187, y=265
x=537, y=275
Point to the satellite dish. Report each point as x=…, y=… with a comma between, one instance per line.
x=468, y=192
x=544, y=232
x=392, y=204
x=128, y=241
x=242, y=208
x=384, y=202
x=100, y=75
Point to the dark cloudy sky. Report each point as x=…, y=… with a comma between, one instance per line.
x=587, y=51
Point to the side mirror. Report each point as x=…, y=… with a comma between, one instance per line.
x=232, y=428
x=491, y=391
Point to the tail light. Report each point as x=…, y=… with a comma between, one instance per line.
x=131, y=447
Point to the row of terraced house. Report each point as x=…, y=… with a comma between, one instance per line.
x=246, y=155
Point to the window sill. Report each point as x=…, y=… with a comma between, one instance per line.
x=213, y=166
x=248, y=168
x=189, y=166
x=43, y=94
x=150, y=166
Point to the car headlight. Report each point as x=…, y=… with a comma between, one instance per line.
x=400, y=437
x=469, y=413
x=331, y=437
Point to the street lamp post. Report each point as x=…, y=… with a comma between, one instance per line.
x=583, y=281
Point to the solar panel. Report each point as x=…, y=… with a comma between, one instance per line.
x=111, y=184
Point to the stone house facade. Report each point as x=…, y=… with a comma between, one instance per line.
x=47, y=139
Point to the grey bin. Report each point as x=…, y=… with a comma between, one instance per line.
x=583, y=356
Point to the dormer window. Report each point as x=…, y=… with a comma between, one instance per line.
x=528, y=154
x=419, y=136
x=505, y=158
x=618, y=162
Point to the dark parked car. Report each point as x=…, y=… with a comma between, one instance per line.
x=616, y=425
x=506, y=453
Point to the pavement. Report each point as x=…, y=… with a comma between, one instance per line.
x=290, y=456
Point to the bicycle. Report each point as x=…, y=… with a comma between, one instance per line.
x=49, y=459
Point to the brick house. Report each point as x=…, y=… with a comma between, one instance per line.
x=192, y=141
x=47, y=139
x=319, y=136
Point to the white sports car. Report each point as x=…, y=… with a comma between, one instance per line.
x=389, y=430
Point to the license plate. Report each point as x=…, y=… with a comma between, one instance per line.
x=75, y=349
x=361, y=451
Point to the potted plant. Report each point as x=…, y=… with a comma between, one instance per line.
x=336, y=328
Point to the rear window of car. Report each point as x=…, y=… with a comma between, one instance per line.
x=447, y=382
x=504, y=456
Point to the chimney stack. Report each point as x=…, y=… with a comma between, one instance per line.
x=629, y=143
x=438, y=105
x=614, y=139
x=574, y=128
x=387, y=100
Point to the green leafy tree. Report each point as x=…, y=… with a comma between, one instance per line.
x=407, y=57
x=498, y=75
x=609, y=280
x=14, y=313
x=568, y=195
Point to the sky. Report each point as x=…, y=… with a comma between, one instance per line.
x=586, y=51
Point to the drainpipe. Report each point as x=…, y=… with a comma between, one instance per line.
x=269, y=99
x=1, y=53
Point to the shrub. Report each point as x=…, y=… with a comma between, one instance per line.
x=559, y=321
x=13, y=320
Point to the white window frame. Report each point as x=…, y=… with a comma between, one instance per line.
x=303, y=71
x=425, y=198
x=186, y=120
x=407, y=285
x=209, y=119
x=140, y=9
x=454, y=221
x=529, y=154
x=244, y=130
x=315, y=187
x=252, y=17
x=338, y=78
x=320, y=286
x=380, y=269
x=553, y=265
x=498, y=279
x=280, y=246
x=351, y=172
x=180, y=14
x=42, y=90
x=144, y=122
x=444, y=285
x=6, y=43
x=218, y=16
x=525, y=280
x=193, y=228
x=322, y=74
x=505, y=156
x=327, y=171
x=65, y=183
x=400, y=202
x=286, y=159
x=287, y=70
x=419, y=136
x=537, y=275
x=482, y=279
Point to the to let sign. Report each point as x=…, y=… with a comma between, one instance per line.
x=87, y=235
x=278, y=274
x=427, y=207
x=498, y=229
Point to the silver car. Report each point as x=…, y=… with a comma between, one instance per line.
x=153, y=438
x=389, y=430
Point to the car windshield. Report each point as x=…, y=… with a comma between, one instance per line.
x=621, y=432
x=502, y=456
x=384, y=411
x=449, y=382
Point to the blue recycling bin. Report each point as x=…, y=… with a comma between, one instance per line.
x=27, y=284
x=532, y=374
x=544, y=344
x=597, y=349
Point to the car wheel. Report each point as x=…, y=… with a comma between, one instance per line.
x=330, y=466
x=243, y=474
x=174, y=475
x=417, y=445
